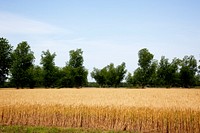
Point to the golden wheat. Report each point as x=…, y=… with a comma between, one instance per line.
x=159, y=98
x=143, y=110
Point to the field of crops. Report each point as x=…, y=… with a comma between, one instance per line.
x=140, y=110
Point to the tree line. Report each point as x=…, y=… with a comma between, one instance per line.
x=17, y=69
x=177, y=73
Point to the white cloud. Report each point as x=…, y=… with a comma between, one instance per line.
x=15, y=24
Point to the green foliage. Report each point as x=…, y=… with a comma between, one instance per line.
x=120, y=73
x=76, y=58
x=99, y=76
x=49, y=68
x=143, y=76
x=145, y=58
x=129, y=80
x=178, y=73
x=188, y=71
x=66, y=79
x=74, y=73
x=18, y=65
x=22, y=63
x=137, y=79
x=109, y=75
x=5, y=60
x=163, y=71
x=37, y=73
x=167, y=73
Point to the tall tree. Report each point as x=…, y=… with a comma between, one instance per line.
x=167, y=74
x=110, y=75
x=5, y=60
x=22, y=58
x=120, y=71
x=49, y=68
x=188, y=71
x=75, y=72
x=129, y=80
x=37, y=76
x=162, y=73
x=137, y=78
x=66, y=77
x=147, y=67
x=153, y=73
x=173, y=76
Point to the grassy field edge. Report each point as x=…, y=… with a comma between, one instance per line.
x=39, y=129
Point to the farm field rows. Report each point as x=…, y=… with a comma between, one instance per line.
x=139, y=110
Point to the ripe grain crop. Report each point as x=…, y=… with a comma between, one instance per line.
x=143, y=110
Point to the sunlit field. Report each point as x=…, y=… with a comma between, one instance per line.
x=140, y=110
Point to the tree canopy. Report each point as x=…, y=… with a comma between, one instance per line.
x=177, y=73
x=22, y=62
x=143, y=75
x=167, y=73
x=47, y=60
x=78, y=73
x=110, y=75
x=188, y=71
x=5, y=60
x=17, y=69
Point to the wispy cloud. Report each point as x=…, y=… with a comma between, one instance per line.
x=14, y=24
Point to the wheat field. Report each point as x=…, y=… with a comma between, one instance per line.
x=134, y=110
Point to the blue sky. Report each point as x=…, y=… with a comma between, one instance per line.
x=106, y=30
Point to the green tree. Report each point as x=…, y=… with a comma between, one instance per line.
x=99, y=76
x=137, y=79
x=66, y=77
x=147, y=67
x=78, y=73
x=109, y=75
x=37, y=76
x=5, y=60
x=22, y=62
x=162, y=73
x=49, y=69
x=153, y=73
x=173, y=77
x=120, y=71
x=76, y=58
x=129, y=80
x=188, y=71
x=167, y=74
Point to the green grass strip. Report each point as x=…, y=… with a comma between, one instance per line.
x=29, y=129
